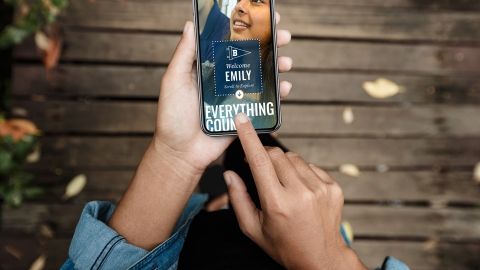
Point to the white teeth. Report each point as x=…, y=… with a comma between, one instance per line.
x=240, y=24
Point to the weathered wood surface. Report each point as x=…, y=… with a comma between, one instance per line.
x=390, y=187
x=138, y=117
x=144, y=82
x=31, y=248
x=368, y=221
x=142, y=48
x=123, y=152
x=419, y=256
x=302, y=18
x=372, y=253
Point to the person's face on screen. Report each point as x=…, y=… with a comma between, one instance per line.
x=251, y=20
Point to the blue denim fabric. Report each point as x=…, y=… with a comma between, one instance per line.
x=97, y=246
x=391, y=263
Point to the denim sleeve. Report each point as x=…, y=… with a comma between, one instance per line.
x=97, y=246
x=390, y=263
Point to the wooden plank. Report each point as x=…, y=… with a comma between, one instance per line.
x=31, y=248
x=409, y=186
x=125, y=152
x=367, y=221
x=302, y=18
x=416, y=4
x=138, y=117
x=372, y=253
x=307, y=54
x=144, y=82
x=395, y=153
x=419, y=256
x=398, y=187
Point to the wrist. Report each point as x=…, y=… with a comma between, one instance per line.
x=174, y=159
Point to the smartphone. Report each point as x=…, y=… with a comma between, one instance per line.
x=237, y=64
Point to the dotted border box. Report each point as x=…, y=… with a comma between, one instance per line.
x=260, y=62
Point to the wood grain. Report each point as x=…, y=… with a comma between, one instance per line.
x=367, y=221
x=140, y=117
x=343, y=19
x=144, y=82
x=392, y=187
x=142, y=48
x=372, y=253
x=125, y=152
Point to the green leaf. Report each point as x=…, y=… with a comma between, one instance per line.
x=49, y=16
x=20, y=179
x=23, y=148
x=13, y=35
x=6, y=162
x=60, y=3
x=32, y=192
x=14, y=198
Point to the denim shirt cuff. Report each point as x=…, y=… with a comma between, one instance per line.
x=390, y=263
x=97, y=246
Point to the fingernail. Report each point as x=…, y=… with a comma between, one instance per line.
x=242, y=118
x=227, y=178
x=291, y=85
x=185, y=29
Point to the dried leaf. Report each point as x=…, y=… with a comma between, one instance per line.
x=476, y=173
x=42, y=41
x=348, y=230
x=349, y=169
x=46, y=231
x=51, y=54
x=75, y=186
x=382, y=88
x=39, y=263
x=438, y=204
x=430, y=244
x=35, y=155
x=348, y=116
x=14, y=252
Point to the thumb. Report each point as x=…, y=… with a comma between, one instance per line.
x=185, y=54
x=245, y=210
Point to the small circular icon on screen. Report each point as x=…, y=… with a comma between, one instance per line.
x=239, y=94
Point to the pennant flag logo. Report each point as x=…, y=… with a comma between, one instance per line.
x=234, y=53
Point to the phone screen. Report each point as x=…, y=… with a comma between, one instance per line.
x=237, y=68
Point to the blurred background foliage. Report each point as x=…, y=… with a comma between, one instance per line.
x=31, y=18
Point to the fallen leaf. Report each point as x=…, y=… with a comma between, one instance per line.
x=430, y=244
x=39, y=263
x=438, y=204
x=476, y=172
x=51, y=54
x=348, y=116
x=24, y=125
x=19, y=112
x=42, y=41
x=382, y=88
x=75, y=186
x=349, y=169
x=347, y=227
x=13, y=251
x=46, y=231
x=35, y=155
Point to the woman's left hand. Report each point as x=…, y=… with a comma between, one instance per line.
x=178, y=133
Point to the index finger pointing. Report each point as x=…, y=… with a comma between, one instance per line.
x=258, y=159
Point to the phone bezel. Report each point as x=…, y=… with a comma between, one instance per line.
x=199, y=76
